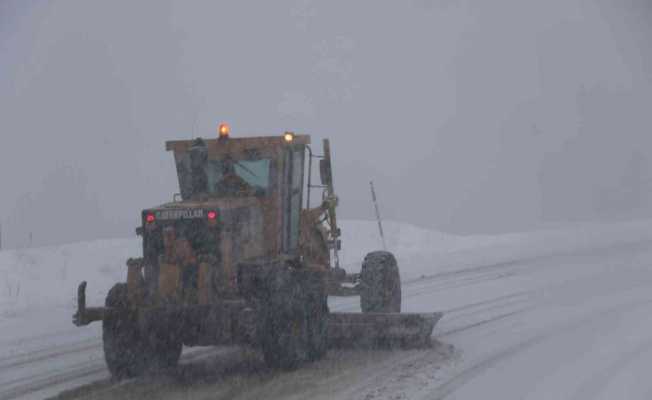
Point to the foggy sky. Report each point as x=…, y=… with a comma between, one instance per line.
x=470, y=116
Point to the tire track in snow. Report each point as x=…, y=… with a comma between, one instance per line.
x=472, y=270
x=494, y=304
x=523, y=262
x=487, y=321
x=15, y=388
x=47, y=353
x=598, y=383
x=498, y=309
x=454, y=383
x=39, y=338
x=37, y=383
x=416, y=288
x=481, y=304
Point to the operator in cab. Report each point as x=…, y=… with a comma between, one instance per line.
x=232, y=184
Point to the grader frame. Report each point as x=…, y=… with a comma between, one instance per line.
x=238, y=260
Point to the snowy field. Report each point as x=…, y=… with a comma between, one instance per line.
x=557, y=314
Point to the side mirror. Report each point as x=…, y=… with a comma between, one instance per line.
x=325, y=170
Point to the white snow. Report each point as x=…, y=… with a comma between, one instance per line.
x=561, y=313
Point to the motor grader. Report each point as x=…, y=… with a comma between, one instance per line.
x=241, y=257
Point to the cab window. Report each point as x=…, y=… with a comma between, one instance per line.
x=238, y=177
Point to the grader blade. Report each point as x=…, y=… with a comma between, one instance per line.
x=381, y=329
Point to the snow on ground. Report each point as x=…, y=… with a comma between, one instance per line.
x=562, y=313
x=40, y=280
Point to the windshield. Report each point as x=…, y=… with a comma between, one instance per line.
x=230, y=177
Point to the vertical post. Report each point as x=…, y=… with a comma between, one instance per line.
x=380, y=222
x=309, y=188
x=30, y=240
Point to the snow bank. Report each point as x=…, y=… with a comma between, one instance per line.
x=423, y=252
x=41, y=279
x=33, y=280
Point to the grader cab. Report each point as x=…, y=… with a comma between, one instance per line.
x=241, y=256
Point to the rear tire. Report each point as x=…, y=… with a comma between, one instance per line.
x=317, y=305
x=127, y=351
x=380, y=283
x=124, y=350
x=163, y=343
x=293, y=318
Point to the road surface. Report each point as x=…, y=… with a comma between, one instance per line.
x=570, y=325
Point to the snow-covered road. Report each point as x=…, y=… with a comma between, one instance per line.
x=582, y=332
x=537, y=316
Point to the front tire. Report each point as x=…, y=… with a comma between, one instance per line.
x=380, y=283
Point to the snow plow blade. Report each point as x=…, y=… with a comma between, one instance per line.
x=381, y=329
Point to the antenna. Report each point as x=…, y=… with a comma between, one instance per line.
x=380, y=221
x=194, y=124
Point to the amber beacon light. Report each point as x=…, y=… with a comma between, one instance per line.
x=223, y=131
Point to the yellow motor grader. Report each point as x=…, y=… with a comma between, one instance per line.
x=241, y=257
